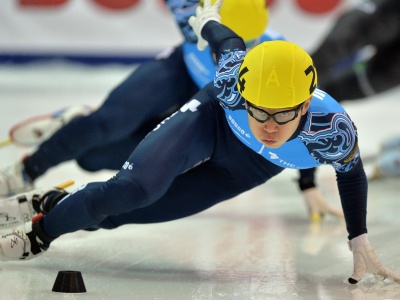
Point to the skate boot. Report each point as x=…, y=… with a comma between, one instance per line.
x=36, y=130
x=46, y=201
x=21, y=208
x=13, y=180
x=25, y=244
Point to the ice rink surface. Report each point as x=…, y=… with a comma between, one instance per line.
x=259, y=245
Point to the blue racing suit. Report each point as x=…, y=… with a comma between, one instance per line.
x=198, y=157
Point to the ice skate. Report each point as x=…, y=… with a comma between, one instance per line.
x=21, y=208
x=13, y=180
x=36, y=130
x=24, y=244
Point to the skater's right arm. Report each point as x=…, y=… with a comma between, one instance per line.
x=229, y=49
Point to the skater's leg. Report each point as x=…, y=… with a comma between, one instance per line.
x=147, y=95
x=112, y=155
x=201, y=188
x=185, y=139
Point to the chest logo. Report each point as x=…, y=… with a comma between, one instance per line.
x=273, y=155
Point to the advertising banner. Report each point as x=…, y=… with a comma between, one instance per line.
x=130, y=30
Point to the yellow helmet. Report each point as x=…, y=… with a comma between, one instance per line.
x=247, y=18
x=277, y=74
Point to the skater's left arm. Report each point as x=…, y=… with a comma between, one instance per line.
x=353, y=194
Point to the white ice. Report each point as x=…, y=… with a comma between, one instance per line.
x=259, y=245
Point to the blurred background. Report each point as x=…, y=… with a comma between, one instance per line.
x=129, y=31
x=57, y=53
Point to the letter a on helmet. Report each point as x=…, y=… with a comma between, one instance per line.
x=277, y=74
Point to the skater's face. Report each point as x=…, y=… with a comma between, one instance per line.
x=273, y=127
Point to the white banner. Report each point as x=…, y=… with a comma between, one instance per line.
x=132, y=28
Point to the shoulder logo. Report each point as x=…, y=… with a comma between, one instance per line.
x=352, y=154
x=319, y=94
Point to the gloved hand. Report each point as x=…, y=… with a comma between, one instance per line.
x=203, y=15
x=318, y=206
x=366, y=261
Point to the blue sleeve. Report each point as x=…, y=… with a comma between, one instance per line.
x=230, y=50
x=353, y=188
